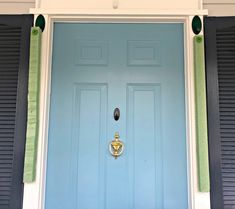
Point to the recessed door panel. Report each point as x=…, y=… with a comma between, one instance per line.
x=144, y=134
x=139, y=70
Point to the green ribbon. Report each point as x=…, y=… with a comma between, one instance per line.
x=201, y=115
x=33, y=106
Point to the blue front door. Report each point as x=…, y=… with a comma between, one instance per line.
x=139, y=69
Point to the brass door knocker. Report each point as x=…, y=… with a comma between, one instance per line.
x=116, y=146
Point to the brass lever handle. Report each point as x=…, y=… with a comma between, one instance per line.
x=116, y=146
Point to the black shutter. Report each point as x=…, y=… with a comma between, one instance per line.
x=220, y=65
x=14, y=48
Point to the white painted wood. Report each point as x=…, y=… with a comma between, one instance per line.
x=200, y=3
x=119, y=12
x=190, y=113
x=123, y=4
x=220, y=9
x=16, y=7
x=34, y=193
x=17, y=1
x=198, y=200
x=218, y=1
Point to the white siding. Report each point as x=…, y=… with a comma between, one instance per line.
x=220, y=7
x=16, y=6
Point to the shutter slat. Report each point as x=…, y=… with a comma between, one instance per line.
x=225, y=43
x=9, y=65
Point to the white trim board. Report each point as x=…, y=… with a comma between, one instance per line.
x=119, y=12
x=167, y=4
x=34, y=193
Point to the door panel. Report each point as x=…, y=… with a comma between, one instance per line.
x=139, y=69
x=145, y=158
x=87, y=144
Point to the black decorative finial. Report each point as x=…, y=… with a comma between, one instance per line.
x=40, y=22
x=196, y=25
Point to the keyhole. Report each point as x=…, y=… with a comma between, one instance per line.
x=116, y=114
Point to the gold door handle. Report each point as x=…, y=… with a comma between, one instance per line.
x=116, y=146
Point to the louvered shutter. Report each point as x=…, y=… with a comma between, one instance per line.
x=220, y=64
x=14, y=46
x=9, y=67
x=225, y=41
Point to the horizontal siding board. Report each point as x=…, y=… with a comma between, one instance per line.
x=17, y=1
x=218, y=1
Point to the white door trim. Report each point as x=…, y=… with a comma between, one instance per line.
x=34, y=193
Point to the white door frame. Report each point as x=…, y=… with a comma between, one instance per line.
x=34, y=193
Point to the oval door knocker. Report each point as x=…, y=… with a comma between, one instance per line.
x=116, y=146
